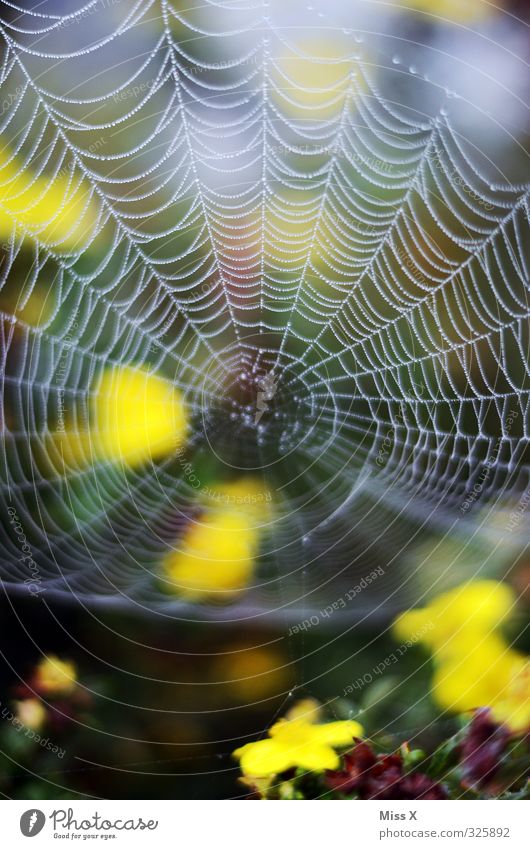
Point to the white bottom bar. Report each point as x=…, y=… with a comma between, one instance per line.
x=262, y=825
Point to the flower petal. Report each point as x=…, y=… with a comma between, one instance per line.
x=339, y=733
x=317, y=757
x=265, y=757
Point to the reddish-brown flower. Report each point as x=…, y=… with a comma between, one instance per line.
x=482, y=749
x=371, y=776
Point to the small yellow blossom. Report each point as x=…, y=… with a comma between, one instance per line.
x=297, y=742
x=59, y=212
x=476, y=674
x=307, y=709
x=473, y=664
x=474, y=608
x=55, y=677
x=136, y=415
x=216, y=556
x=31, y=713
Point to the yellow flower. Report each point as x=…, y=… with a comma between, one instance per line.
x=216, y=556
x=311, y=79
x=55, y=677
x=488, y=674
x=67, y=450
x=297, y=742
x=513, y=706
x=58, y=211
x=474, y=666
x=136, y=416
x=470, y=609
x=31, y=713
x=476, y=673
x=252, y=673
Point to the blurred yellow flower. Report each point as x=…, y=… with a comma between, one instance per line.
x=297, y=742
x=55, y=677
x=477, y=607
x=216, y=556
x=513, y=706
x=311, y=79
x=136, y=415
x=67, y=450
x=252, y=673
x=474, y=665
x=307, y=709
x=217, y=553
x=451, y=10
x=31, y=713
x=476, y=673
x=58, y=211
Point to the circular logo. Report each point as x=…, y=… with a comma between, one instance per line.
x=32, y=822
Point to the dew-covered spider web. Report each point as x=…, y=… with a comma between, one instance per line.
x=252, y=213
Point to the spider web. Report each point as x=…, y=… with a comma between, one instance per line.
x=256, y=208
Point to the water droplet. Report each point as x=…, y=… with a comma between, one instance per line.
x=396, y=60
x=413, y=69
